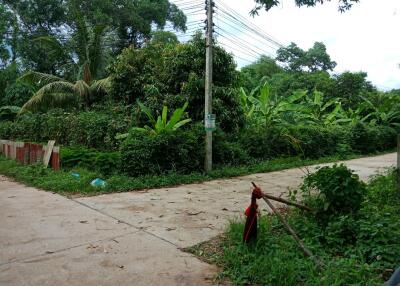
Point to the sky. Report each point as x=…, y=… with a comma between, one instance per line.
x=365, y=38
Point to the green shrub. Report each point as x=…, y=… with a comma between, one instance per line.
x=229, y=153
x=90, y=129
x=367, y=139
x=179, y=151
x=357, y=248
x=264, y=144
x=338, y=191
x=6, y=128
x=378, y=235
x=160, y=75
x=386, y=138
x=17, y=94
x=107, y=163
x=314, y=141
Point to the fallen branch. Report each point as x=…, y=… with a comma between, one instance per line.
x=285, y=201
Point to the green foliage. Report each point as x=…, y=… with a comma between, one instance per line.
x=296, y=59
x=9, y=112
x=277, y=260
x=17, y=94
x=350, y=86
x=357, y=249
x=163, y=124
x=268, y=4
x=265, y=143
x=61, y=34
x=366, y=139
x=284, y=84
x=170, y=75
x=267, y=108
x=90, y=129
x=144, y=154
x=264, y=68
x=164, y=38
x=47, y=179
x=56, y=92
x=313, y=141
x=338, y=191
x=228, y=151
x=106, y=163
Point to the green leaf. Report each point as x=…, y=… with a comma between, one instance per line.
x=164, y=115
x=146, y=111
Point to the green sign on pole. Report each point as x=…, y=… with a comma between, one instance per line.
x=209, y=122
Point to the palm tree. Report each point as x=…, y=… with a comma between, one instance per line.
x=58, y=92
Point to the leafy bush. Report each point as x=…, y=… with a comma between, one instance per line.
x=368, y=139
x=264, y=144
x=90, y=129
x=180, y=151
x=357, y=248
x=314, y=141
x=338, y=191
x=17, y=94
x=107, y=163
x=229, y=152
x=160, y=75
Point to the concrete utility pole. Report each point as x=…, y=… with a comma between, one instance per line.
x=398, y=163
x=208, y=83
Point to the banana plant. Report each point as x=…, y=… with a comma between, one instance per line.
x=272, y=109
x=318, y=107
x=328, y=113
x=162, y=124
x=248, y=108
x=381, y=116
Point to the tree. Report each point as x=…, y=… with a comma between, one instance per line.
x=170, y=75
x=350, y=86
x=264, y=68
x=58, y=92
x=48, y=35
x=286, y=83
x=268, y=4
x=164, y=38
x=33, y=19
x=296, y=59
x=6, y=43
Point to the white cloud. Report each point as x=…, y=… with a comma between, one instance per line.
x=365, y=38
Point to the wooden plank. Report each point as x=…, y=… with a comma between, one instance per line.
x=48, y=151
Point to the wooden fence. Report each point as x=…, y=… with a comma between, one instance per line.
x=30, y=153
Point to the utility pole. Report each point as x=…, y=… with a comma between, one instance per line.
x=208, y=85
x=398, y=163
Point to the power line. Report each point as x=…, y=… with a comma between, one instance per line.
x=249, y=25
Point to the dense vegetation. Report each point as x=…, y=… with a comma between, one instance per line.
x=354, y=231
x=126, y=98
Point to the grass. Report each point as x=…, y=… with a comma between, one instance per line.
x=369, y=258
x=64, y=183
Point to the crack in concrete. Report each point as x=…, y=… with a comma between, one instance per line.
x=65, y=249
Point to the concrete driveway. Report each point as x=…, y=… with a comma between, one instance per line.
x=128, y=238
